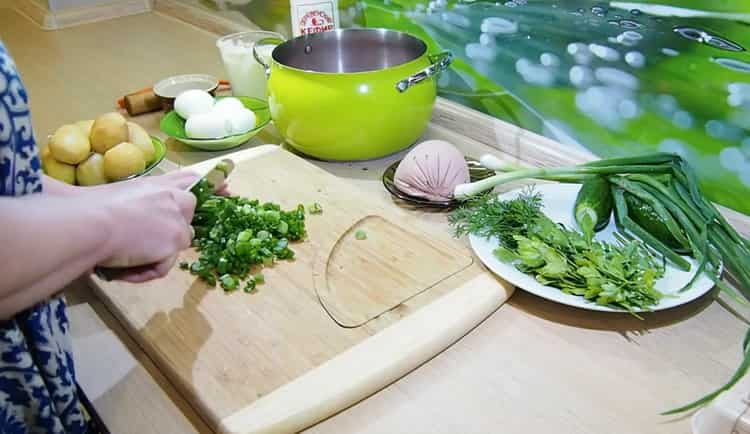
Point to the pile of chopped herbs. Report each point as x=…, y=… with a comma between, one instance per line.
x=618, y=275
x=235, y=235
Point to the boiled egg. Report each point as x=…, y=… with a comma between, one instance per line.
x=207, y=126
x=193, y=102
x=226, y=105
x=240, y=121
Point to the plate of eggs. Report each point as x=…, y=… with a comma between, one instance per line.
x=215, y=123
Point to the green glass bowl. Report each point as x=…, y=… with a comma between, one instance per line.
x=160, y=151
x=174, y=126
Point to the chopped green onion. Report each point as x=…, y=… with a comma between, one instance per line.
x=245, y=235
x=283, y=227
x=233, y=235
x=316, y=208
x=250, y=286
x=228, y=282
x=463, y=191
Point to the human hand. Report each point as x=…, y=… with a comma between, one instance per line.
x=141, y=273
x=149, y=224
x=181, y=179
x=178, y=178
x=144, y=273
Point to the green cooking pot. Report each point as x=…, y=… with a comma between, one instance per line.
x=352, y=94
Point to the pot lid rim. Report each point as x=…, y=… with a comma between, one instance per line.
x=422, y=51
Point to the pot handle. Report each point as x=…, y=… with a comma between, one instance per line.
x=270, y=40
x=440, y=62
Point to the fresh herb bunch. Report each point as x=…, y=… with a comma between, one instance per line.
x=687, y=221
x=487, y=217
x=235, y=234
x=619, y=275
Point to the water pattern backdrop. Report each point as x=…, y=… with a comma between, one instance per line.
x=614, y=78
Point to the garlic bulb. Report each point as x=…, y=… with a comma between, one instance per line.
x=432, y=170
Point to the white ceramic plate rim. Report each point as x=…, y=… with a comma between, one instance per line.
x=558, y=201
x=202, y=82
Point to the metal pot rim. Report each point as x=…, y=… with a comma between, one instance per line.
x=421, y=52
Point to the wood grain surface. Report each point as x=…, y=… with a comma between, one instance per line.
x=110, y=375
x=226, y=351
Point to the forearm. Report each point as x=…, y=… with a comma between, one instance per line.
x=42, y=289
x=55, y=187
x=47, y=242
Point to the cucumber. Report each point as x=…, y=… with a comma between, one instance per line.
x=644, y=215
x=593, y=206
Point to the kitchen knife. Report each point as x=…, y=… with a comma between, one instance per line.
x=216, y=177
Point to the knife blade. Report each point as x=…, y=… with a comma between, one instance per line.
x=216, y=177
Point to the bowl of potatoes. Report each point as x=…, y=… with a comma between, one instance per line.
x=99, y=151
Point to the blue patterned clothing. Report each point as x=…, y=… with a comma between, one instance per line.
x=37, y=381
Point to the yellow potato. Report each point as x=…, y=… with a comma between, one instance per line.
x=122, y=161
x=85, y=126
x=108, y=130
x=45, y=153
x=69, y=145
x=60, y=171
x=139, y=137
x=91, y=171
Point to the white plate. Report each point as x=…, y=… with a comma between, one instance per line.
x=558, y=201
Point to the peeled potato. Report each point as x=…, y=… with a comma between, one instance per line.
x=60, y=171
x=91, y=171
x=85, y=126
x=69, y=145
x=122, y=161
x=139, y=137
x=108, y=130
x=45, y=153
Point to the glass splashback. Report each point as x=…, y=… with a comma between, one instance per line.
x=615, y=78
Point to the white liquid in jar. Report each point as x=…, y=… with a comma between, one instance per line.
x=246, y=75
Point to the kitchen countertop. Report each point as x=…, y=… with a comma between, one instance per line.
x=533, y=366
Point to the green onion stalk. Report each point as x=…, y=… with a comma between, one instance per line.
x=670, y=187
x=465, y=191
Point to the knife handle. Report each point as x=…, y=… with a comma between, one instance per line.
x=109, y=274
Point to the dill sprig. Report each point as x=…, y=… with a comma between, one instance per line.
x=487, y=216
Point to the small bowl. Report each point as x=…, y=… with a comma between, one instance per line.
x=169, y=88
x=174, y=126
x=477, y=172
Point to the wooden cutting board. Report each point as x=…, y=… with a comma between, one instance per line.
x=343, y=320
